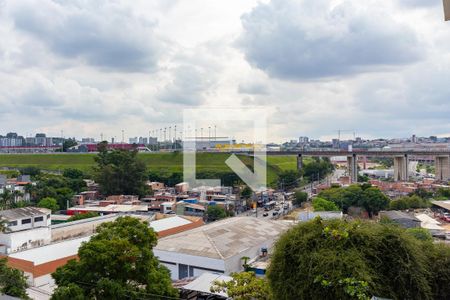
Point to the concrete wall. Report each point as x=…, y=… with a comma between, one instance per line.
x=21, y=240
x=78, y=228
x=234, y=263
x=45, y=222
x=200, y=264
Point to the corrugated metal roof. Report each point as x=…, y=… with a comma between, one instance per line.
x=443, y=204
x=397, y=215
x=223, y=239
x=23, y=212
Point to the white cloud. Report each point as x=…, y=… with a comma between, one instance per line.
x=304, y=40
x=87, y=68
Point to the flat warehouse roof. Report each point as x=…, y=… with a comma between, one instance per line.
x=168, y=223
x=44, y=254
x=223, y=239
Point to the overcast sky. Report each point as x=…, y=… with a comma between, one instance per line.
x=379, y=68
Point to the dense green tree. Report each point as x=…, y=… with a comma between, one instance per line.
x=12, y=282
x=70, y=291
x=246, y=192
x=343, y=197
x=317, y=169
x=422, y=193
x=420, y=234
x=408, y=202
x=365, y=196
x=373, y=200
x=73, y=173
x=117, y=263
x=215, y=212
x=349, y=260
x=120, y=172
x=288, y=179
x=68, y=143
x=32, y=171
x=363, y=178
x=439, y=263
x=49, y=203
x=443, y=193
x=6, y=199
x=300, y=197
x=64, y=196
x=244, y=286
x=320, y=204
x=21, y=203
x=83, y=216
x=3, y=225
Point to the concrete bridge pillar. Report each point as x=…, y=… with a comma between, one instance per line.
x=401, y=171
x=300, y=163
x=442, y=167
x=352, y=166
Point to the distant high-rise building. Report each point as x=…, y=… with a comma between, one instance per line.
x=11, y=135
x=335, y=143
x=414, y=138
x=303, y=140
x=152, y=141
x=88, y=141
x=143, y=140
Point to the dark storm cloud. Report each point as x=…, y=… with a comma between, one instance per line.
x=304, y=40
x=98, y=35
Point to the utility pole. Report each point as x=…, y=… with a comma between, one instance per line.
x=62, y=141
x=123, y=136
x=447, y=10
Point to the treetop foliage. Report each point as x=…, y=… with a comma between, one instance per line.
x=357, y=260
x=12, y=281
x=320, y=204
x=120, y=172
x=244, y=286
x=117, y=263
x=366, y=196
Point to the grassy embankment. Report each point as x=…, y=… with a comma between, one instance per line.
x=167, y=162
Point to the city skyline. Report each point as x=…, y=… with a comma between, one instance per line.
x=150, y=60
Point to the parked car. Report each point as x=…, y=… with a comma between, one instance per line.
x=275, y=213
x=265, y=214
x=445, y=217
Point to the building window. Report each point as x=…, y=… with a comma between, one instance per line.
x=182, y=271
x=13, y=223
x=26, y=221
x=39, y=219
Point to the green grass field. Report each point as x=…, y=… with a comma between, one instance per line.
x=170, y=162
